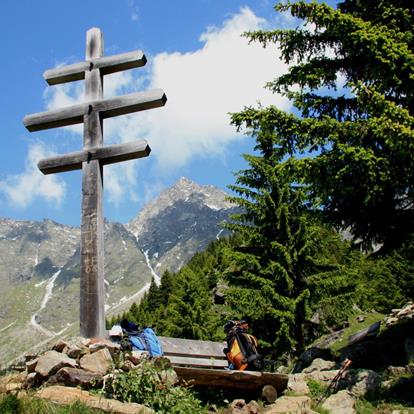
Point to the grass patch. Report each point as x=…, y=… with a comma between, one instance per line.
x=11, y=404
x=316, y=389
x=354, y=327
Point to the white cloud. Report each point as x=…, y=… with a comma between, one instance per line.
x=134, y=10
x=202, y=87
x=22, y=189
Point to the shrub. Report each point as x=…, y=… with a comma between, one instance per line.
x=154, y=387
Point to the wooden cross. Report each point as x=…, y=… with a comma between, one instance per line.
x=93, y=157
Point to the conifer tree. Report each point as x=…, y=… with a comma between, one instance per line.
x=188, y=309
x=269, y=270
x=354, y=147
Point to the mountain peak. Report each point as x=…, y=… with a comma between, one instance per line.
x=183, y=190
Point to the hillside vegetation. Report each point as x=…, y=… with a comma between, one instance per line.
x=340, y=164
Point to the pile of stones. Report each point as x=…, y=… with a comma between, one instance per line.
x=64, y=373
x=397, y=315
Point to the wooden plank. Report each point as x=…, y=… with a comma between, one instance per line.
x=196, y=348
x=197, y=362
x=107, y=65
x=106, y=155
x=247, y=380
x=74, y=114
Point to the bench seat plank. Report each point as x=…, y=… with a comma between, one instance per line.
x=192, y=347
x=197, y=362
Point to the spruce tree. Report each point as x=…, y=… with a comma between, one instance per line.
x=354, y=146
x=268, y=271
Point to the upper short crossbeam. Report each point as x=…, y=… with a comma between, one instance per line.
x=106, y=65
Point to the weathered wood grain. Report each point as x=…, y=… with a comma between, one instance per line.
x=106, y=155
x=74, y=114
x=189, y=361
x=93, y=157
x=195, y=348
x=106, y=65
x=247, y=380
x=92, y=287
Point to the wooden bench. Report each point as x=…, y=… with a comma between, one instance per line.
x=203, y=363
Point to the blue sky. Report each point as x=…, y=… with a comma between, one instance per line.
x=195, y=54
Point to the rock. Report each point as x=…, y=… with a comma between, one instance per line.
x=136, y=356
x=309, y=355
x=283, y=369
x=31, y=365
x=75, y=377
x=12, y=383
x=236, y=406
x=291, y=405
x=99, y=362
x=360, y=318
x=405, y=311
x=68, y=395
x=398, y=371
x=319, y=365
x=240, y=407
x=73, y=351
x=60, y=345
x=391, y=321
x=297, y=384
x=33, y=380
x=365, y=381
x=251, y=408
x=322, y=376
x=51, y=361
x=113, y=347
x=340, y=403
x=168, y=377
x=29, y=356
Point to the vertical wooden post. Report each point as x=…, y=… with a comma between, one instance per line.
x=93, y=157
x=92, y=295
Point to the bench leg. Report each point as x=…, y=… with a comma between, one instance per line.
x=269, y=394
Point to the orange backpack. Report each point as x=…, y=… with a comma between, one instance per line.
x=241, y=349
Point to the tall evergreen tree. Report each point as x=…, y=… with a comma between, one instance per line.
x=355, y=147
x=269, y=270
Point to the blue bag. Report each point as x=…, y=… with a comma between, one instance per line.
x=146, y=340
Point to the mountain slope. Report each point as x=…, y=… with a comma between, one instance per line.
x=180, y=222
x=40, y=262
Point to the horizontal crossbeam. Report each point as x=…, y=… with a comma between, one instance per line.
x=107, y=108
x=107, y=65
x=106, y=155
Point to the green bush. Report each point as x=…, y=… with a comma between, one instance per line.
x=154, y=387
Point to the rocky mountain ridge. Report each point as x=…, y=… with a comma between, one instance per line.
x=40, y=261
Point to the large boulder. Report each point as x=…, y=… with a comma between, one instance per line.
x=340, y=403
x=362, y=382
x=100, y=362
x=291, y=405
x=51, y=362
x=68, y=395
x=297, y=384
x=75, y=377
x=307, y=357
x=320, y=365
